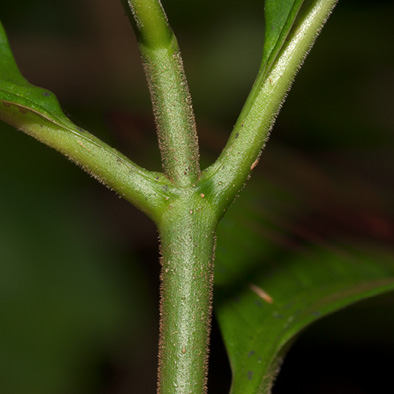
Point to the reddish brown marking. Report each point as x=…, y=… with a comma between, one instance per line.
x=261, y=293
x=254, y=164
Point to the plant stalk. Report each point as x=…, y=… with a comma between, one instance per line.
x=187, y=235
x=251, y=131
x=171, y=100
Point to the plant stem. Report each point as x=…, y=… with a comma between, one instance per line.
x=187, y=226
x=145, y=189
x=187, y=236
x=258, y=115
x=176, y=127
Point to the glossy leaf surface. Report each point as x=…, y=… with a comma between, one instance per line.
x=279, y=18
x=16, y=91
x=276, y=273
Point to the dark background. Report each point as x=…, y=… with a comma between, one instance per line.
x=78, y=266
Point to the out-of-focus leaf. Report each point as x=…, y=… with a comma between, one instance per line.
x=298, y=248
x=66, y=306
x=279, y=18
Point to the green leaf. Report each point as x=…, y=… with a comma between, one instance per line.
x=16, y=91
x=279, y=18
x=267, y=253
x=36, y=111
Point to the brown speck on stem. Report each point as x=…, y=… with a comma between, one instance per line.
x=254, y=164
x=81, y=144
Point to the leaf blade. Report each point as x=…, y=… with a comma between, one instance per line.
x=265, y=251
x=279, y=18
x=14, y=88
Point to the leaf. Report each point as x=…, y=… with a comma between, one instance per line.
x=279, y=18
x=37, y=112
x=15, y=90
x=270, y=248
x=26, y=106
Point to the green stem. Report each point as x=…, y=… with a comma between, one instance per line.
x=169, y=91
x=188, y=223
x=187, y=235
x=37, y=112
x=145, y=189
x=241, y=153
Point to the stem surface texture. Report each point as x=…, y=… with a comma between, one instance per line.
x=187, y=246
